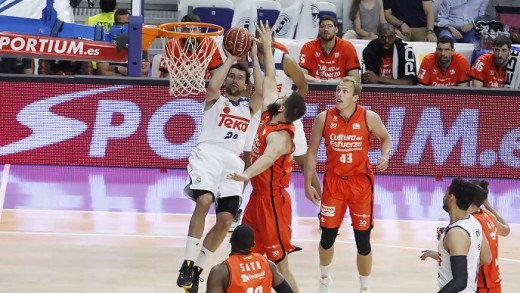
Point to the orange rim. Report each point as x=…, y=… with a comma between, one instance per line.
x=164, y=30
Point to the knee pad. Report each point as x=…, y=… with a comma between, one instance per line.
x=228, y=204
x=328, y=237
x=363, y=241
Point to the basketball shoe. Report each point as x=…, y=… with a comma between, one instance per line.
x=185, y=274
x=195, y=280
x=325, y=285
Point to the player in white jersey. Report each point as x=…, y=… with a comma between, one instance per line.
x=461, y=247
x=221, y=140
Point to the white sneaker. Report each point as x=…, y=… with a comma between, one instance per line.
x=236, y=221
x=325, y=285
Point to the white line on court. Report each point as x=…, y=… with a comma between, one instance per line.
x=183, y=237
x=3, y=187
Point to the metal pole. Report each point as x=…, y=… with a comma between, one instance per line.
x=135, y=37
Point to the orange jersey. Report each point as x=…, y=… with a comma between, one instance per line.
x=486, y=71
x=431, y=74
x=336, y=64
x=347, y=143
x=248, y=273
x=279, y=174
x=488, y=275
x=176, y=47
x=386, y=66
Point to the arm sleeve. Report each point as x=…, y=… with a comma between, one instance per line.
x=463, y=70
x=478, y=70
x=423, y=77
x=459, y=270
x=368, y=59
x=283, y=288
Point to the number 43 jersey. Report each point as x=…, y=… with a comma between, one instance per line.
x=225, y=124
x=347, y=142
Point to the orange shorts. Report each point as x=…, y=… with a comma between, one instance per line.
x=354, y=192
x=270, y=218
x=496, y=289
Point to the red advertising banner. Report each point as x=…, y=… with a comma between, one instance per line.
x=59, y=48
x=143, y=126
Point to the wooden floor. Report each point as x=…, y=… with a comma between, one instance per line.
x=67, y=251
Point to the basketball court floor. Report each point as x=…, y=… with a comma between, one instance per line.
x=87, y=229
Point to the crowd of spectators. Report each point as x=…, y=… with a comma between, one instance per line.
x=387, y=58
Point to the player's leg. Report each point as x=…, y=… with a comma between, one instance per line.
x=361, y=213
x=283, y=267
x=332, y=211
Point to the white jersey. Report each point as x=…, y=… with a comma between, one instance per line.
x=474, y=230
x=225, y=124
x=283, y=82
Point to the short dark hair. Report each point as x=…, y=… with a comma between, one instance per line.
x=242, y=67
x=295, y=107
x=445, y=40
x=107, y=5
x=482, y=192
x=385, y=27
x=328, y=17
x=121, y=12
x=242, y=238
x=502, y=40
x=190, y=17
x=463, y=191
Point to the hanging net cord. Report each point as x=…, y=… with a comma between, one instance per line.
x=187, y=60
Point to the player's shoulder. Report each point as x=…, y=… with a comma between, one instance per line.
x=344, y=43
x=429, y=61
x=312, y=44
x=486, y=58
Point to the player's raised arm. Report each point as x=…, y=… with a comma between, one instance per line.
x=256, y=100
x=377, y=127
x=213, y=90
x=278, y=144
x=312, y=156
x=270, y=91
x=294, y=71
x=503, y=228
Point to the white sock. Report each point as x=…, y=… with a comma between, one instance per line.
x=325, y=271
x=192, y=246
x=204, y=255
x=364, y=282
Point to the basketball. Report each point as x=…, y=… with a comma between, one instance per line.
x=237, y=41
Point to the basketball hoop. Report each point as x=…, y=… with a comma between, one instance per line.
x=187, y=51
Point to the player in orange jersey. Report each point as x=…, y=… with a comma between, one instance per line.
x=216, y=59
x=245, y=271
x=492, y=225
x=329, y=58
x=445, y=67
x=490, y=69
x=347, y=129
x=269, y=210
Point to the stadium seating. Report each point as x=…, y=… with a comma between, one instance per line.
x=218, y=12
x=327, y=8
x=268, y=10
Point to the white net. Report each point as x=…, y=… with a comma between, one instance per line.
x=187, y=60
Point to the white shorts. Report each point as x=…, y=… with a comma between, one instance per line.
x=300, y=142
x=208, y=168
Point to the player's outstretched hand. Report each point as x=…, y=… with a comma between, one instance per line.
x=229, y=55
x=382, y=163
x=265, y=34
x=312, y=195
x=238, y=177
x=429, y=253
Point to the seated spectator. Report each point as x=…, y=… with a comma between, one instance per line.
x=445, y=67
x=388, y=60
x=490, y=70
x=414, y=19
x=329, y=58
x=64, y=67
x=366, y=15
x=16, y=65
x=455, y=19
x=121, y=17
x=507, y=11
x=106, y=17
